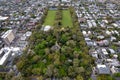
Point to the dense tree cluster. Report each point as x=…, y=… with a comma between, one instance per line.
x=60, y=53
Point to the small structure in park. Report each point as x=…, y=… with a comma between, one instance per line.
x=46, y=28
x=55, y=47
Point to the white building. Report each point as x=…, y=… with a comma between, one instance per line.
x=3, y=18
x=5, y=53
x=8, y=54
x=104, y=51
x=46, y=28
x=103, y=69
x=65, y=0
x=8, y=37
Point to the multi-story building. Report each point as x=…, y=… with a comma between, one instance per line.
x=5, y=54
x=8, y=37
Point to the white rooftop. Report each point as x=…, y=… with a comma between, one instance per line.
x=28, y=33
x=3, y=18
x=103, y=69
x=46, y=28
x=104, y=51
x=6, y=34
x=5, y=56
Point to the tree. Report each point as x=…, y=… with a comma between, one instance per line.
x=71, y=43
x=35, y=58
x=40, y=78
x=20, y=64
x=9, y=75
x=47, y=51
x=55, y=72
x=65, y=78
x=36, y=71
x=79, y=70
x=75, y=62
x=71, y=71
x=62, y=72
x=79, y=77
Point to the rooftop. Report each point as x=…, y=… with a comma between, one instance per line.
x=5, y=56
x=6, y=34
x=3, y=18
x=103, y=69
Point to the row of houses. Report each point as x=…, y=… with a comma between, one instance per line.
x=100, y=35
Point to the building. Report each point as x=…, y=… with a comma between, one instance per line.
x=67, y=1
x=46, y=28
x=103, y=69
x=3, y=18
x=5, y=53
x=8, y=37
x=1, y=43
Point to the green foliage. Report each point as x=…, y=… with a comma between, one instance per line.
x=0, y=78
x=50, y=18
x=105, y=77
x=66, y=20
x=117, y=74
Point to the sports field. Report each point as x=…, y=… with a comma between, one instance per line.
x=66, y=18
x=50, y=18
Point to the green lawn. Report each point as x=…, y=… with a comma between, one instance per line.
x=50, y=18
x=66, y=19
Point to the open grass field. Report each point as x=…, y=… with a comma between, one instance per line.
x=50, y=18
x=66, y=19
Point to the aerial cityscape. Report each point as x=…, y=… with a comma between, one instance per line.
x=59, y=39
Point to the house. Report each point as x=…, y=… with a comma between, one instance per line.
x=105, y=21
x=114, y=62
x=115, y=25
x=94, y=54
x=115, y=56
x=103, y=43
x=89, y=24
x=111, y=11
x=112, y=38
x=94, y=23
x=86, y=33
x=104, y=51
x=67, y=1
x=113, y=69
x=91, y=43
x=112, y=51
x=108, y=32
x=100, y=37
x=82, y=20
x=87, y=39
x=116, y=32
x=103, y=69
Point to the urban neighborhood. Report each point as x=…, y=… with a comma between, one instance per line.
x=59, y=40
